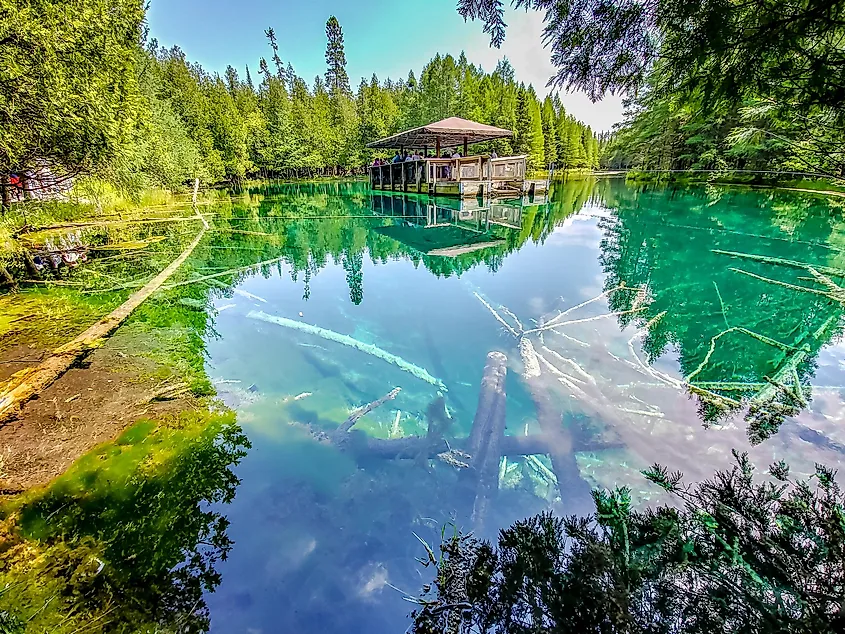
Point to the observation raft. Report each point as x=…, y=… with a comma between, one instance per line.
x=470, y=176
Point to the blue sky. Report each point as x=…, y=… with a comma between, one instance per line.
x=388, y=37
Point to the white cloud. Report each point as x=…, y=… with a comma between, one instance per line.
x=532, y=64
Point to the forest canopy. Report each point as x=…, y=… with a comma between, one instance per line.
x=710, y=84
x=149, y=117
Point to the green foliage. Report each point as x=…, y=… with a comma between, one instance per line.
x=713, y=85
x=734, y=555
x=69, y=86
x=336, y=78
x=151, y=118
x=730, y=50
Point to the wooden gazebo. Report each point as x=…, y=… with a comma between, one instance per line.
x=466, y=175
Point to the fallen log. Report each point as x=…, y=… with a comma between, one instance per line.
x=484, y=444
x=416, y=446
x=491, y=392
x=346, y=340
x=28, y=383
x=344, y=427
x=560, y=445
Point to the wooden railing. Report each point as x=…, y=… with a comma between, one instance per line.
x=434, y=170
x=506, y=168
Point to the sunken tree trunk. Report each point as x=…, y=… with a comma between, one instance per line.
x=485, y=442
x=574, y=491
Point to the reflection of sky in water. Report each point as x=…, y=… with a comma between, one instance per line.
x=321, y=540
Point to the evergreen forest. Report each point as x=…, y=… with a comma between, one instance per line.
x=91, y=94
x=757, y=85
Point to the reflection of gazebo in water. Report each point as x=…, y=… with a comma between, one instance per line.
x=467, y=176
x=446, y=227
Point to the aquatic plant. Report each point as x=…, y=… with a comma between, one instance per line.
x=735, y=556
x=125, y=538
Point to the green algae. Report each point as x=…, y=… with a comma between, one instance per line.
x=125, y=537
x=46, y=318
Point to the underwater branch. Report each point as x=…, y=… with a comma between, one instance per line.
x=346, y=340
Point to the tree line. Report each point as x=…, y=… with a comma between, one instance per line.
x=713, y=84
x=90, y=93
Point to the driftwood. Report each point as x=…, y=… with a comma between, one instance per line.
x=363, y=411
x=28, y=383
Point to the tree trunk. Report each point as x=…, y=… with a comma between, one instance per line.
x=26, y=184
x=5, y=278
x=30, y=265
x=5, y=193
x=485, y=439
x=574, y=491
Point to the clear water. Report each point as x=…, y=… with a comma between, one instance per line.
x=324, y=540
x=667, y=325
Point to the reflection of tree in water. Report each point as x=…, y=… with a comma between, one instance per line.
x=126, y=536
x=353, y=264
x=318, y=223
x=734, y=333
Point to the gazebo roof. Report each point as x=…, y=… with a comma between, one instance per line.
x=452, y=132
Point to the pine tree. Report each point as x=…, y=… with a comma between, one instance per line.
x=523, y=129
x=280, y=69
x=577, y=158
x=439, y=89
x=232, y=79
x=336, y=78
x=550, y=130
x=249, y=80
x=536, y=157
x=264, y=70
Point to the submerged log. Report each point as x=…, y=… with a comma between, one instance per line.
x=490, y=396
x=485, y=440
x=363, y=411
x=346, y=340
x=28, y=383
x=416, y=446
x=559, y=443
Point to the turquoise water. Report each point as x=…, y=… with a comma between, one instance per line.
x=669, y=359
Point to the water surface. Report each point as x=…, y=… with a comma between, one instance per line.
x=694, y=345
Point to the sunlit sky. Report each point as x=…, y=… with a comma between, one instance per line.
x=388, y=37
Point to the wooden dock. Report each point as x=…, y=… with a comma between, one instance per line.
x=465, y=177
x=462, y=176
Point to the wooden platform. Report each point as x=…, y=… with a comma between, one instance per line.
x=465, y=177
x=468, y=189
